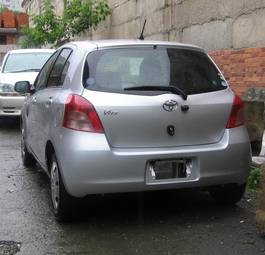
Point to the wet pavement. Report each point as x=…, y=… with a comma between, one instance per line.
x=179, y=222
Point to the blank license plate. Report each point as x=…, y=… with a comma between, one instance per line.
x=169, y=169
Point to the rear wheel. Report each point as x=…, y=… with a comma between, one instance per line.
x=62, y=202
x=27, y=158
x=227, y=194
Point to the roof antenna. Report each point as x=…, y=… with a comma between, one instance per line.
x=142, y=33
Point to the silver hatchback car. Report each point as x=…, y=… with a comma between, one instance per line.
x=127, y=116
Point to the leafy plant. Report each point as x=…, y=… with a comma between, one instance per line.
x=254, y=178
x=78, y=16
x=2, y=8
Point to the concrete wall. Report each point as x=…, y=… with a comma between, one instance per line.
x=212, y=24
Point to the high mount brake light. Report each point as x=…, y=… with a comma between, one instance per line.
x=80, y=114
x=236, y=118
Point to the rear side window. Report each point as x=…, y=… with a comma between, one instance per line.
x=58, y=72
x=117, y=69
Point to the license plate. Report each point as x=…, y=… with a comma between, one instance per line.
x=169, y=169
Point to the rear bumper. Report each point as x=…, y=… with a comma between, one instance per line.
x=89, y=166
x=11, y=106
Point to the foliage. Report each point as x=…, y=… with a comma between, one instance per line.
x=2, y=8
x=78, y=16
x=254, y=179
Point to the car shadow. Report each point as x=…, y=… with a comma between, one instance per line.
x=146, y=208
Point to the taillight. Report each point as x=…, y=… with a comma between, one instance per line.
x=80, y=114
x=236, y=118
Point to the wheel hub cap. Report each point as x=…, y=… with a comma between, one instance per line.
x=55, y=185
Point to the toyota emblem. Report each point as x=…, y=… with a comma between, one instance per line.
x=170, y=105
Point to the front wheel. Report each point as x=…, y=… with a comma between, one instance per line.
x=228, y=194
x=62, y=202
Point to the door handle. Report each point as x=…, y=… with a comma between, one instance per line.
x=34, y=100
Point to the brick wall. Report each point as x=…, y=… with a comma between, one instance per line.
x=245, y=68
x=12, y=39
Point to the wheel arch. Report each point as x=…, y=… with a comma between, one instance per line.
x=49, y=152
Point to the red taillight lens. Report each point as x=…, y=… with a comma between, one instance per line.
x=236, y=118
x=80, y=114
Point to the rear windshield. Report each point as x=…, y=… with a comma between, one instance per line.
x=115, y=70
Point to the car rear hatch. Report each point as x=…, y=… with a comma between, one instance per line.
x=135, y=117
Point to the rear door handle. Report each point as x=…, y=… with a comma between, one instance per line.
x=49, y=102
x=34, y=100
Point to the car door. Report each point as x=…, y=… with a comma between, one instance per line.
x=46, y=100
x=33, y=106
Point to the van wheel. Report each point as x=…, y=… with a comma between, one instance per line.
x=228, y=194
x=62, y=202
x=27, y=158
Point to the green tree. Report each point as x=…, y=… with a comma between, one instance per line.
x=78, y=16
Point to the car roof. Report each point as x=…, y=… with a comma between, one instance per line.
x=32, y=51
x=121, y=43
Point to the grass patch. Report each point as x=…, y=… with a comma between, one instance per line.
x=254, y=179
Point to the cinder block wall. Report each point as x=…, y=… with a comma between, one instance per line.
x=224, y=26
x=212, y=24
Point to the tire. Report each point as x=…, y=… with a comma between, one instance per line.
x=256, y=147
x=28, y=159
x=62, y=202
x=229, y=194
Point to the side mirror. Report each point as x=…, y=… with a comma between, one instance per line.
x=23, y=87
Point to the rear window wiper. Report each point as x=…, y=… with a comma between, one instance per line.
x=173, y=89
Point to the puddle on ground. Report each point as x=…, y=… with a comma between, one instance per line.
x=9, y=247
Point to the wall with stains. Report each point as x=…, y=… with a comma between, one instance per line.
x=212, y=24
